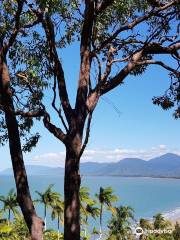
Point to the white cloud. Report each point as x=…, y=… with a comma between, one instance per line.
x=49, y=159
x=101, y=155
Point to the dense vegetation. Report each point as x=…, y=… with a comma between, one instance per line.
x=120, y=226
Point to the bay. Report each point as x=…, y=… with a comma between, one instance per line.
x=147, y=196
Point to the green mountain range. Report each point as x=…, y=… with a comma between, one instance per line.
x=167, y=165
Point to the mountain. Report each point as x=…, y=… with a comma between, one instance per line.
x=37, y=170
x=92, y=168
x=126, y=167
x=167, y=165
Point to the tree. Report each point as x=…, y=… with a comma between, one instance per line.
x=160, y=222
x=119, y=225
x=10, y=22
x=10, y=204
x=112, y=47
x=106, y=198
x=20, y=228
x=145, y=225
x=88, y=207
x=176, y=232
x=49, y=198
x=57, y=212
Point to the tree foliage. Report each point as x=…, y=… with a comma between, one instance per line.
x=10, y=204
x=118, y=31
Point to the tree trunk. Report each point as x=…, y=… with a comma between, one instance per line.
x=9, y=216
x=72, y=182
x=101, y=211
x=34, y=223
x=45, y=210
x=58, y=226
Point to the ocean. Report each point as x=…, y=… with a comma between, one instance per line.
x=147, y=196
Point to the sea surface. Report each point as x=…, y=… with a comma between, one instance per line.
x=147, y=196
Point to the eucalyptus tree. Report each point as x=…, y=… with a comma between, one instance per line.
x=10, y=204
x=49, y=198
x=116, y=39
x=106, y=198
x=15, y=21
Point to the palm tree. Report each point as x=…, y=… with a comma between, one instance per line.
x=57, y=212
x=160, y=222
x=106, y=198
x=10, y=204
x=48, y=198
x=120, y=222
x=1, y=213
x=88, y=207
x=176, y=232
x=145, y=225
x=91, y=211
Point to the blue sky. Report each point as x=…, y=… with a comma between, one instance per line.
x=137, y=129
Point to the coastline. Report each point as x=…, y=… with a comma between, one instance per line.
x=99, y=175
x=173, y=215
x=171, y=211
x=130, y=176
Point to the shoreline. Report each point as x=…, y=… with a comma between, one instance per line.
x=130, y=176
x=91, y=175
x=173, y=215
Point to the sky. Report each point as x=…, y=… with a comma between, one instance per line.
x=125, y=122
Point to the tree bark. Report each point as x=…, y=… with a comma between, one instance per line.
x=58, y=226
x=72, y=183
x=34, y=223
x=9, y=216
x=45, y=210
x=101, y=211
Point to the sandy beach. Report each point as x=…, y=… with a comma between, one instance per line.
x=173, y=216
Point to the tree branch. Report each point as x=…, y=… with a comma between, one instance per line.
x=118, y=79
x=58, y=70
x=160, y=63
x=134, y=23
x=55, y=108
x=17, y=26
x=87, y=135
x=103, y=5
x=152, y=48
x=38, y=113
x=57, y=132
x=110, y=58
x=156, y=48
x=155, y=3
x=85, y=48
x=32, y=24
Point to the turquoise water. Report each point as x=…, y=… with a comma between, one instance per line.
x=147, y=196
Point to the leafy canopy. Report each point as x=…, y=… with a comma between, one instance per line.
x=117, y=37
